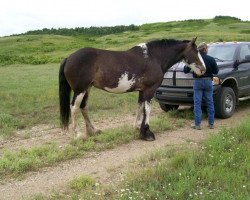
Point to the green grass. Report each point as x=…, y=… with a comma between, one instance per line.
x=28, y=96
x=39, y=49
x=81, y=182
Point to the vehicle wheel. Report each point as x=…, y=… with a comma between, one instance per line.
x=167, y=107
x=225, y=103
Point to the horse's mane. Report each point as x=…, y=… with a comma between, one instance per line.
x=165, y=42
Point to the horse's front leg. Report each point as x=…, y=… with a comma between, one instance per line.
x=142, y=117
x=145, y=132
x=139, y=116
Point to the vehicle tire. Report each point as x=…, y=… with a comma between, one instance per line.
x=167, y=107
x=225, y=103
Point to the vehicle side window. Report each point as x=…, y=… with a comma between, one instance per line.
x=244, y=51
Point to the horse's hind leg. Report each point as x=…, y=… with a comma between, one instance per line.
x=75, y=106
x=90, y=129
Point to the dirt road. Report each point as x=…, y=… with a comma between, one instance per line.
x=108, y=166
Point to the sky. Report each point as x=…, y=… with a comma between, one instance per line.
x=19, y=16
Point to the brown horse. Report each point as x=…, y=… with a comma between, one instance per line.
x=140, y=68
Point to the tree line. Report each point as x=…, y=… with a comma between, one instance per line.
x=106, y=30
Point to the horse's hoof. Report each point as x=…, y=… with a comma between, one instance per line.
x=148, y=136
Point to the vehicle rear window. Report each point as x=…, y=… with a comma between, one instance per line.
x=222, y=53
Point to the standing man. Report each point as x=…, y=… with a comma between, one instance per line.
x=203, y=87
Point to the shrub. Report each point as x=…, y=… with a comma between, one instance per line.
x=226, y=19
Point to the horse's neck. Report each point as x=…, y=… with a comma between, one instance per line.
x=168, y=56
x=173, y=59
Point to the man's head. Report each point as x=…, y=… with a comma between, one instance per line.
x=202, y=47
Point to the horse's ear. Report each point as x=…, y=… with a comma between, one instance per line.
x=193, y=40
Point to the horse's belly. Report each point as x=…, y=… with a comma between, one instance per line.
x=124, y=85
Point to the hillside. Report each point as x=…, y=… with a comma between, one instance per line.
x=47, y=46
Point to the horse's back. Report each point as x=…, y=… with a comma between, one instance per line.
x=88, y=56
x=82, y=55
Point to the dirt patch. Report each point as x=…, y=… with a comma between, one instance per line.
x=107, y=167
x=43, y=134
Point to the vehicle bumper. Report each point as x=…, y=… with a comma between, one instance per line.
x=179, y=96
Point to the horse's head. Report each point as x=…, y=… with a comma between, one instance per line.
x=193, y=58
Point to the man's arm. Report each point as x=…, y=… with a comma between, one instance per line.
x=215, y=68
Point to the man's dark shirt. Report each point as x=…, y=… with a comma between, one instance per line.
x=211, y=67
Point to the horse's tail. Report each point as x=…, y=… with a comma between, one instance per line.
x=64, y=97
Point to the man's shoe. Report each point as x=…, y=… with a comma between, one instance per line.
x=211, y=126
x=195, y=127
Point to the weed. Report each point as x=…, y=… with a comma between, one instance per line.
x=180, y=123
x=81, y=183
x=182, y=114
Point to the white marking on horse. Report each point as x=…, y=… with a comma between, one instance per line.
x=193, y=66
x=147, y=109
x=139, y=116
x=144, y=49
x=201, y=59
x=124, y=84
x=75, y=108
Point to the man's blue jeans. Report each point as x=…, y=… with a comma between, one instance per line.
x=203, y=88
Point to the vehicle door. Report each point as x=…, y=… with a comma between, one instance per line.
x=244, y=70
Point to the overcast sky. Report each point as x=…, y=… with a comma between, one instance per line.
x=18, y=16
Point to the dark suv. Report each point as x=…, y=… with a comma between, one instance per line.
x=231, y=83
